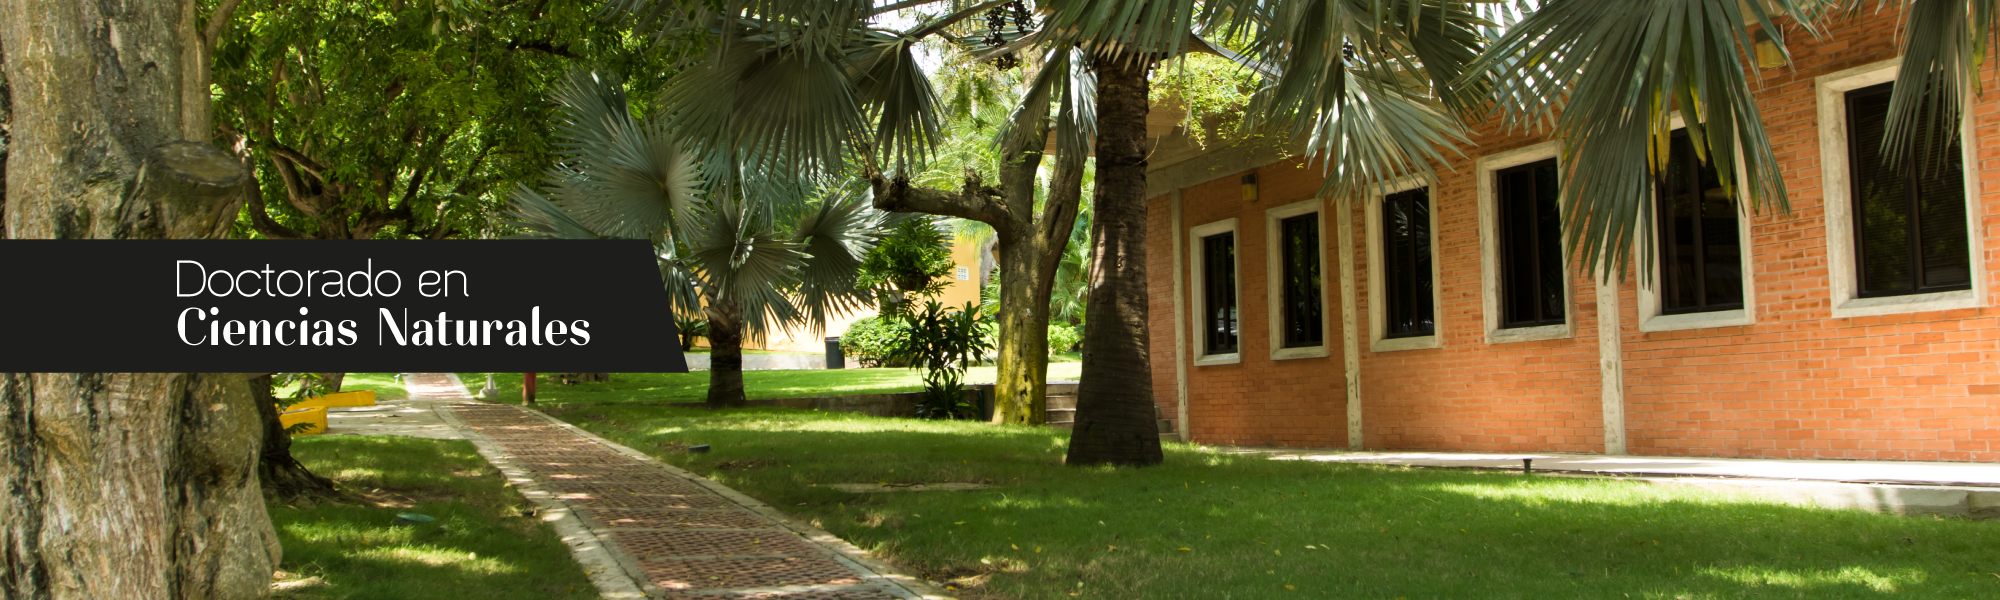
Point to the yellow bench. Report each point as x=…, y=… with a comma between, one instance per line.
x=339, y=399
x=315, y=416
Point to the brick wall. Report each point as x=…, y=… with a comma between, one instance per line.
x=1798, y=383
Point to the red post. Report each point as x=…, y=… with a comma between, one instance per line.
x=527, y=388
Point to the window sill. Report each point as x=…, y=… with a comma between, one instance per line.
x=1297, y=353
x=1219, y=359
x=1913, y=303
x=1528, y=334
x=1723, y=318
x=1401, y=344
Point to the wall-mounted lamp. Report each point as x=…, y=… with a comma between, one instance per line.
x=1768, y=54
x=1250, y=187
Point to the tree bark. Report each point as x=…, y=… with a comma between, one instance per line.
x=282, y=475
x=1029, y=255
x=1029, y=250
x=725, y=361
x=1116, y=422
x=129, y=486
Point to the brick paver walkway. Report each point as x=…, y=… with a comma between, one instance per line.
x=676, y=534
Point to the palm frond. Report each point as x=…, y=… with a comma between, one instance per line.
x=620, y=177
x=835, y=238
x=1610, y=76
x=539, y=218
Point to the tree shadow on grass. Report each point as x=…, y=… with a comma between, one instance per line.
x=482, y=544
x=1212, y=525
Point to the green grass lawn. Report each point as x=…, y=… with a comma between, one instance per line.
x=383, y=384
x=1208, y=525
x=656, y=388
x=483, y=545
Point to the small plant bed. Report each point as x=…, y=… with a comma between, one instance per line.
x=673, y=388
x=484, y=542
x=1213, y=525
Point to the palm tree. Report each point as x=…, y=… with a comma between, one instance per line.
x=813, y=84
x=749, y=254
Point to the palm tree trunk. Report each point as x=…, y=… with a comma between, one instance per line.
x=1116, y=422
x=725, y=361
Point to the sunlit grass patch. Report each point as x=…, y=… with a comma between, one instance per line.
x=670, y=388
x=483, y=544
x=1213, y=525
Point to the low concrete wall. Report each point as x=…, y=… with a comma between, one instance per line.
x=881, y=405
x=1944, y=501
x=764, y=362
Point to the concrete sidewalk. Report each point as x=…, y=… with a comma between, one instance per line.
x=1843, y=471
x=1970, y=490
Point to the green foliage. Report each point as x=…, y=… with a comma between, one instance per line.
x=911, y=260
x=944, y=342
x=369, y=119
x=1063, y=338
x=751, y=252
x=691, y=329
x=1205, y=86
x=871, y=341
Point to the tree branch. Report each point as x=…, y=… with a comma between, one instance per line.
x=545, y=47
x=218, y=21
x=1058, y=217
x=260, y=215
x=977, y=201
x=311, y=166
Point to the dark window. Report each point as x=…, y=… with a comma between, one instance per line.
x=1531, y=256
x=1909, y=219
x=1302, y=297
x=1701, y=255
x=1218, y=288
x=1406, y=265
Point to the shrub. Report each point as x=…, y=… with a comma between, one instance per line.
x=872, y=341
x=1063, y=338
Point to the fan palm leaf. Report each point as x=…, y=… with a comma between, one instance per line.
x=1610, y=76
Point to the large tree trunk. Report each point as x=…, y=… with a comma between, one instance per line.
x=128, y=486
x=282, y=475
x=725, y=361
x=1116, y=421
x=1029, y=255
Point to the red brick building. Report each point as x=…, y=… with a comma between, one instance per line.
x=1860, y=325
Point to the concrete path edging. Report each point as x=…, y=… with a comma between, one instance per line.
x=599, y=563
x=1963, y=490
x=874, y=569
x=567, y=452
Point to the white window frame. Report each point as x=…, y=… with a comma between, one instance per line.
x=1839, y=204
x=1378, y=314
x=1650, y=301
x=1275, y=294
x=1489, y=250
x=1199, y=267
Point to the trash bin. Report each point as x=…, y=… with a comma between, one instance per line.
x=834, y=359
